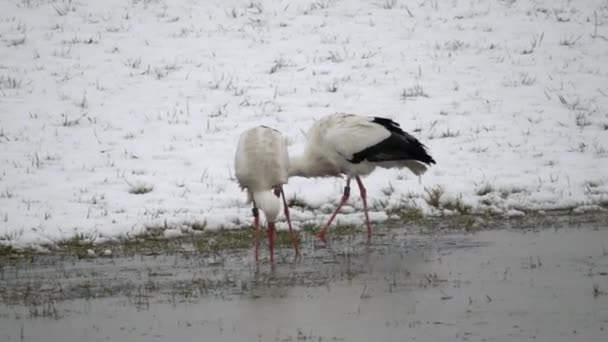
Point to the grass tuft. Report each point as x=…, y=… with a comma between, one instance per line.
x=133, y=63
x=278, y=65
x=140, y=188
x=336, y=57
x=8, y=82
x=485, y=189
x=457, y=205
x=69, y=122
x=534, y=43
x=7, y=251
x=582, y=119
x=453, y=45
x=77, y=245
x=295, y=201
x=320, y=5
x=17, y=41
x=46, y=310
x=527, y=80
x=198, y=225
x=449, y=134
x=388, y=190
x=433, y=196
x=570, y=40
x=387, y=4
x=598, y=292
x=413, y=92
x=506, y=192
x=407, y=210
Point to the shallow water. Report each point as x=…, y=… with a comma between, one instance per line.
x=494, y=285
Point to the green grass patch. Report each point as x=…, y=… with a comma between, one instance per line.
x=146, y=243
x=282, y=238
x=77, y=245
x=221, y=240
x=467, y=222
x=407, y=212
x=310, y=228
x=11, y=255
x=205, y=243
x=233, y=239
x=154, y=243
x=342, y=229
x=7, y=251
x=334, y=230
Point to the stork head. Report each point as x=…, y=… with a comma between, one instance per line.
x=269, y=204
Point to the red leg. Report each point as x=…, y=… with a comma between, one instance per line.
x=364, y=198
x=271, y=241
x=256, y=235
x=333, y=216
x=294, y=241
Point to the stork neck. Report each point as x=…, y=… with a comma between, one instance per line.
x=312, y=165
x=298, y=166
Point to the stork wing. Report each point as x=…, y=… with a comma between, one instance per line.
x=355, y=135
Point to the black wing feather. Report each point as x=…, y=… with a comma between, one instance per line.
x=399, y=145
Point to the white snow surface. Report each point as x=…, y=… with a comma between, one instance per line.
x=100, y=98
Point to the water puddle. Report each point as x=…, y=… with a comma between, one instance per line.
x=495, y=285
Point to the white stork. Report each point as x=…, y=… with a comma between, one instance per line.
x=355, y=145
x=261, y=166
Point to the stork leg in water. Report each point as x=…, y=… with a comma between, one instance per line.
x=256, y=227
x=271, y=227
x=271, y=241
x=344, y=199
x=363, y=193
x=278, y=191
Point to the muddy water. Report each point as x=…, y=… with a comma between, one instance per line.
x=495, y=285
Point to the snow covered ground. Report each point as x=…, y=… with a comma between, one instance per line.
x=121, y=115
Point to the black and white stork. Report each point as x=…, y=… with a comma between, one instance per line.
x=354, y=145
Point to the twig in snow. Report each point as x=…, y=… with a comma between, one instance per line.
x=595, y=35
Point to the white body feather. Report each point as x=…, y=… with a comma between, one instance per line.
x=333, y=141
x=261, y=164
